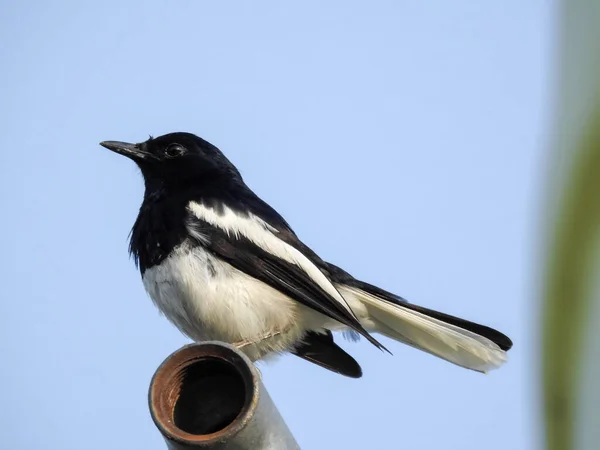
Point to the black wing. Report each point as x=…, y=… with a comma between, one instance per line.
x=288, y=278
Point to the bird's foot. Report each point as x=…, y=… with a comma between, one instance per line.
x=240, y=345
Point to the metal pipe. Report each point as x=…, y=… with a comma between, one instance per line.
x=210, y=396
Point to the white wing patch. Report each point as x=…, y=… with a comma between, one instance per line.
x=263, y=235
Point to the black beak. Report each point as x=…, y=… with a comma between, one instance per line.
x=132, y=151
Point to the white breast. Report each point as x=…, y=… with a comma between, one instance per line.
x=208, y=299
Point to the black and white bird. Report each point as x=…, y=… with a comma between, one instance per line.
x=221, y=264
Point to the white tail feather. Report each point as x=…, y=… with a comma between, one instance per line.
x=446, y=341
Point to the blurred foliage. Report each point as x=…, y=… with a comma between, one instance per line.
x=571, y=291
x=568, y=295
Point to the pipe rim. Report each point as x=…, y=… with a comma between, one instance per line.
x=162, y=406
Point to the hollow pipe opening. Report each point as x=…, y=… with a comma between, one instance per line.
x=202, y=393
x=211, y=396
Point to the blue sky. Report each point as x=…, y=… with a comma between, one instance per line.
x=403, y=140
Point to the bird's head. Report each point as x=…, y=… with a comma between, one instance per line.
x=177, y=159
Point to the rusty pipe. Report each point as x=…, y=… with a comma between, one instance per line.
x=210, y=396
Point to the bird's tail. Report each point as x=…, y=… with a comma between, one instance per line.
x=458, y=341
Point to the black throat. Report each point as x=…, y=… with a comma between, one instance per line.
x=159, y=228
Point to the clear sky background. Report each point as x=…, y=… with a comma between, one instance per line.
x=403, y=140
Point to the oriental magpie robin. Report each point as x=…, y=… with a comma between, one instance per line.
x=221, y=264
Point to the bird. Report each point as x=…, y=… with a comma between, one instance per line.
x=221, y=264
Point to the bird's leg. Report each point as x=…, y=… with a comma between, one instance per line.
x=240, y=345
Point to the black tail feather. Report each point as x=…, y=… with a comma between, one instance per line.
x=321, y=350
x=495, y=336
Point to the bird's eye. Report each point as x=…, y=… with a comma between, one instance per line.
x=174, y=150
